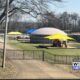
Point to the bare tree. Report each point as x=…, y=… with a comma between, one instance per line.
x=74, y=17
x=31, y=7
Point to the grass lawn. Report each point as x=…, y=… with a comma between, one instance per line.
x=57, y=51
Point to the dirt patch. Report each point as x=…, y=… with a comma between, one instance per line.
x=8, y=72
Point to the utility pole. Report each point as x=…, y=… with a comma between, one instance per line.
x=5, y=34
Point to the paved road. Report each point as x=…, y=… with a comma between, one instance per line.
x=32, y=69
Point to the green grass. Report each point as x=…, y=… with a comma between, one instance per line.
x=64, y=51
x=57, y=51
x=25, y=46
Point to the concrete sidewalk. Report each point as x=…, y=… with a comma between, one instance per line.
x=32, y=69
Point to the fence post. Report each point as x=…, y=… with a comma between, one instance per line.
x=66, y=59
x=33, y=55
x=54, y=59
x=23, y=54
x=43, y=55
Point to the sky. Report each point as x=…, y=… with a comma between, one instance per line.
x=70, y=6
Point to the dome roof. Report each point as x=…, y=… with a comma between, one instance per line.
x=47, y=31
